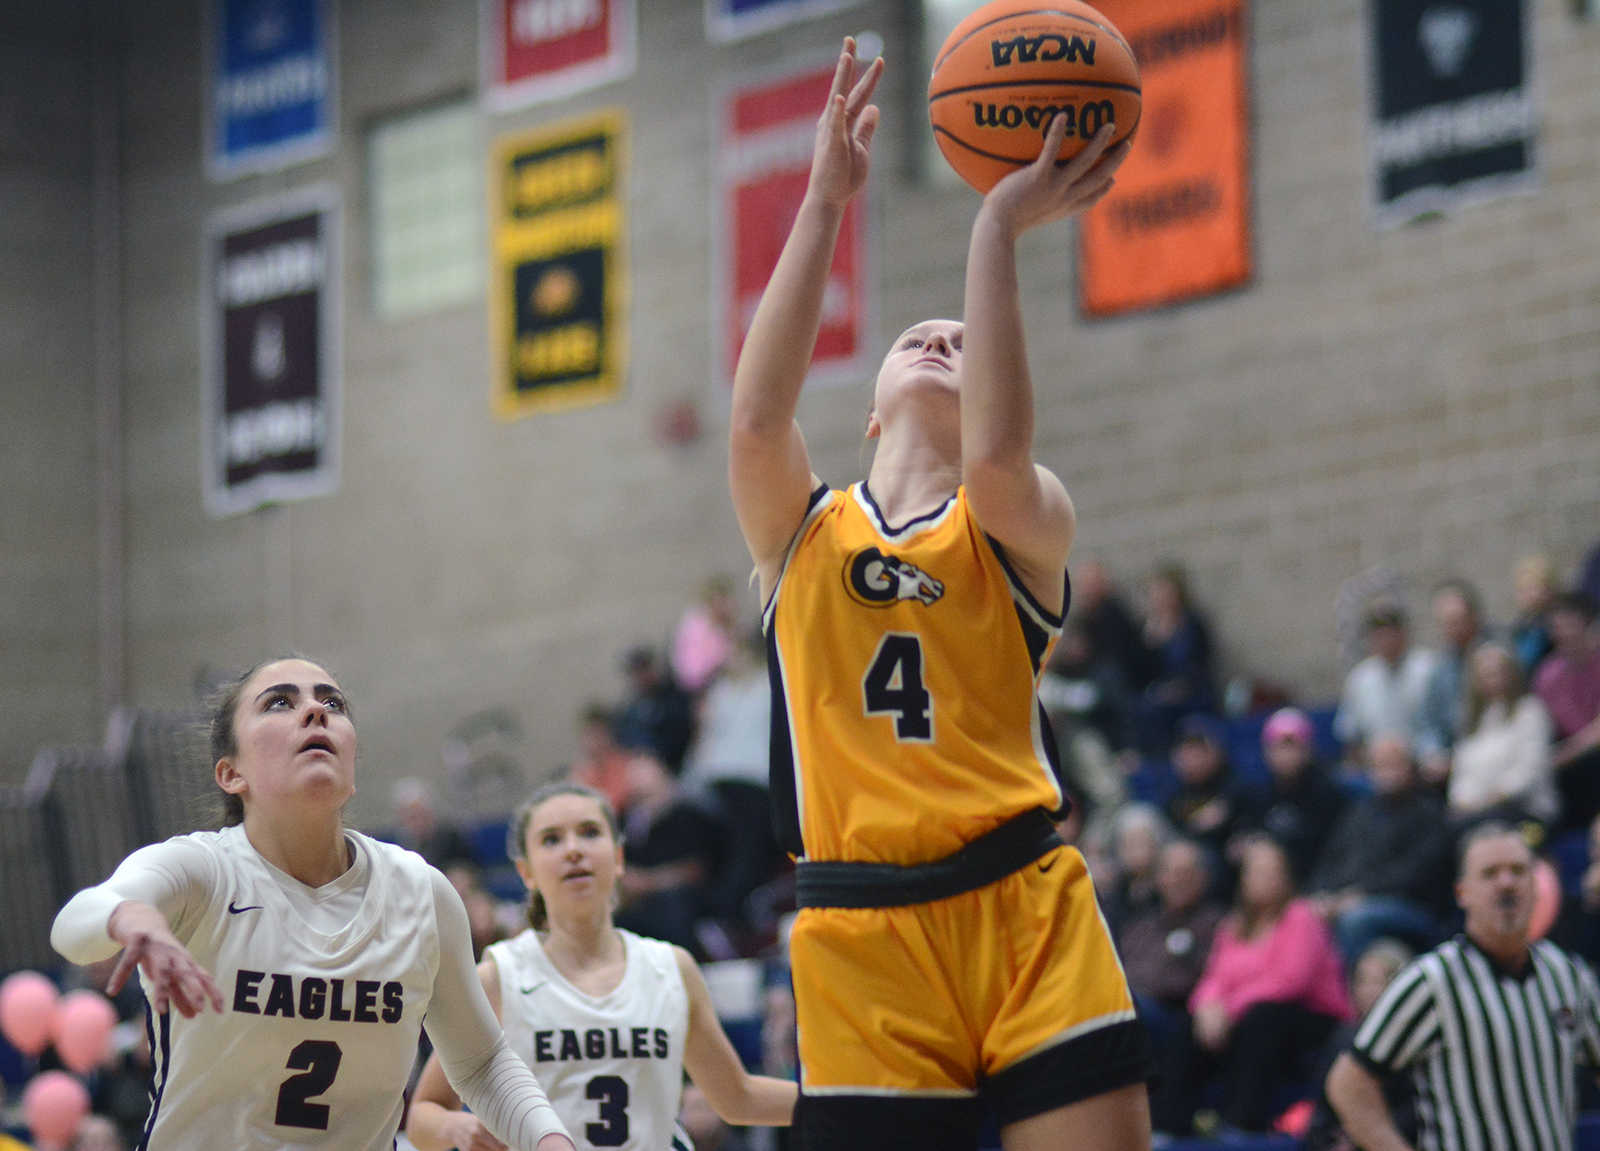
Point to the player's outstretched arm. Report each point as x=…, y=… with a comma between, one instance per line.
x=471, y=1048
x=740, y=1098
x=142, y=909
x=1022, y=505
x=769, y=471
x=436, y=1121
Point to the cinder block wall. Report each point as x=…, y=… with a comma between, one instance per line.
x=1427, y=398
x=48, y=639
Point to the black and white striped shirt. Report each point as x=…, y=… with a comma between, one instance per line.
x=1494, y=1055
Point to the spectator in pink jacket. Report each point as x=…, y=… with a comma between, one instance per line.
x=1272, y=992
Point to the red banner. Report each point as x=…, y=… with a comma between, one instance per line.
x=536, y=50
x=1177, y=225
x=767, y=129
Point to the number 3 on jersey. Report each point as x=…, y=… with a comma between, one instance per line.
x=893, y=686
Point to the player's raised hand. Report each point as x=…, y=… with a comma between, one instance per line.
x=176, y=978
x=1047, y=190
x=844, y=133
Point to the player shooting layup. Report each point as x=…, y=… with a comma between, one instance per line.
x=948, y=941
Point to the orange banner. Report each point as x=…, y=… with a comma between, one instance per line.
x=1177, y=225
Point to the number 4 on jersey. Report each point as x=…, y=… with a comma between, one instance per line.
x=893, y=686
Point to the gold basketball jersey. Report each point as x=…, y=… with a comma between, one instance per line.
x=904, y=664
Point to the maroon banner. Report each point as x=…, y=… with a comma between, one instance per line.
x=270, y=382
x=767, y=127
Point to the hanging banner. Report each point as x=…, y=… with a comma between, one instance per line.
x=728, y=20
x=1454, y=114
x=766, y=131
x=1177, y=224
x=270, y=96
x=270, y=377
x=538, y=50
x=558, y=301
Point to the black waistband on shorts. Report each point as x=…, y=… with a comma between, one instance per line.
x=1008, y=848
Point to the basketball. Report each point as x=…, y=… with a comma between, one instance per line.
x=1013, y=65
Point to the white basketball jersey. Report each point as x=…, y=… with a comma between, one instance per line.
x=321, y=1030
x=612, y=1067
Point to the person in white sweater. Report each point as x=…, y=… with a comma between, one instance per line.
x=1502, y=763
x=287, y=961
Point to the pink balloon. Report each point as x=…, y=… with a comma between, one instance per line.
x=27, y=1011
x=53, y=1104
x=1546, y=899
x=84, y=1021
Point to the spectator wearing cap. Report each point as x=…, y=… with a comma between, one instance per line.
x=1211, y=803
x=657, y=713
x=1384, y=693
x=1568, y=681
x=1301, y=803
x=1385, y=867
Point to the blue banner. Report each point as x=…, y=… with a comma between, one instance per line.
x=272, y=84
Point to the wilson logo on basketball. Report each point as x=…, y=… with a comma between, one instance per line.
x=1047, y=49
x=878, y=580
x=1084, y=121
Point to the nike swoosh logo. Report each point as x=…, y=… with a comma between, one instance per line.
x=535, y=987
x=235, y=910
x=1044, y=867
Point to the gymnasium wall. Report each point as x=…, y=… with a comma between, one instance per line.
x=48, y=669
x=1426, y=398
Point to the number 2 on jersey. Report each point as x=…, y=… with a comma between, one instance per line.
x=612, y=1092
x=893, y=686
x=319, y=1060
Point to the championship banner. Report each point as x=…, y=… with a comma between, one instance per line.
x=1455, y=119
x=559, y=295
x=270, y=98
x=270, y=375
x=728, y=20
x=537, y=50
x=766, y=132
x=1177, y=224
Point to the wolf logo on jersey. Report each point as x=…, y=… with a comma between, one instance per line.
x=878, y=580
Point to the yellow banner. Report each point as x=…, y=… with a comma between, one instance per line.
x=559, y=295
x=1177, y=224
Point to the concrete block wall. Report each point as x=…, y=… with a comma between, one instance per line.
x=1426, y=398
x=49, y=684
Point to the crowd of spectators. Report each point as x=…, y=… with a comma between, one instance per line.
x=1265, y=871
x=1262, y=893
x=1257, y=891
x=1260, y=890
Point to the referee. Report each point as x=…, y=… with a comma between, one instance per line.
x=1489, y=1025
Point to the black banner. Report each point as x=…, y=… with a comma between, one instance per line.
x=1455, y=116
x=271, y=382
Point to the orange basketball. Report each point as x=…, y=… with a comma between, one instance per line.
x=1014, y=64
